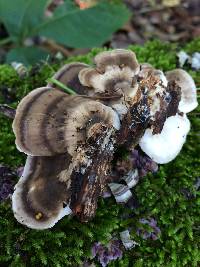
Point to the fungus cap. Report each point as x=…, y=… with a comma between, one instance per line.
x=188, y=89
x=114, y=73
x=164, y=147
x=40, y=199
x=117, y=57
x=68, y=75
x=121, y=192
x=50, y=122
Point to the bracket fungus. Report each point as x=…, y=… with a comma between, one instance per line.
x=188, y=89
x=71, y=140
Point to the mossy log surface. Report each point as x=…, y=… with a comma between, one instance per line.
x=161, y=196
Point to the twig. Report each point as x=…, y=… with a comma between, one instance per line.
x=54, y=47
x=61, y=85
x=154, y=9
x=7, y=111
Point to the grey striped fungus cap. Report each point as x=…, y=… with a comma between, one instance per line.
x=121, y=192
x=49, y=126
x=131, y=178
x=68, y=75
x=117, y=57
x=40, y=198
x=50, y=122
x=113, y=73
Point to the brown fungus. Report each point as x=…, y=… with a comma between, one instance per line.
x=71, y=140
x=68, y=75
x=118, y=57
x=49, y=121
x=114, y=73
x=40, y=199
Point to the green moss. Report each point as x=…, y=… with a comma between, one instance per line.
x=9, y=154
x=193, y=46
x=88, y=58
x=160, y=55
x=8, y=76
x=160, y=195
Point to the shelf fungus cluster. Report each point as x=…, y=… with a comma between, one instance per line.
x=70, y=140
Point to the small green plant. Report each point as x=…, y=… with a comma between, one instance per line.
x=68, y=25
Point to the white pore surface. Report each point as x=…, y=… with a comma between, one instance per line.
x=164, y=147
x=188, y=95
x=188, y=89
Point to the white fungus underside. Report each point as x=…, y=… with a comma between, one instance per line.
x=164, y=147
x=188, y=100
x=187, y=107
x=20, y=213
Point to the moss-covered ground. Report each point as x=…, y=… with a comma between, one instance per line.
x=160, y=195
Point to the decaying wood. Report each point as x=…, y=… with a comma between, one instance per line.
x=134, y=123
x=88, y=182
